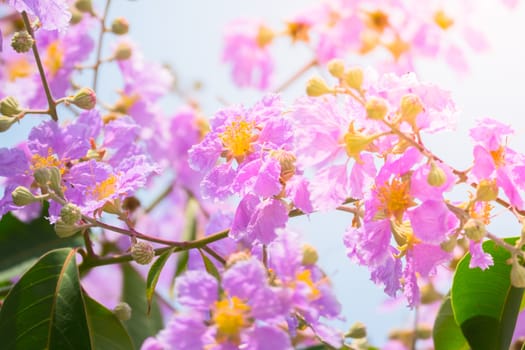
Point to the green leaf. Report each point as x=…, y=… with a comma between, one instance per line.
x=141, y=324
x=210, y=266
x=446, y=333
x=154, y=274
x=21, y=244
x=484, y=302
x=109, y=331
x=47, y=309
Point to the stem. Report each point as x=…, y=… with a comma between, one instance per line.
x=159, y=199
x=414, y=334
x=52, y=111
x=296, y=76
x=98, y=61
x=213, y=253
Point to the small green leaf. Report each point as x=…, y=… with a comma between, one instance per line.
x=141, y=324
x=484, y=302
x=21, y=244
x=446, y=333
x=154, y=274
x=210, y=266
x=109, y=333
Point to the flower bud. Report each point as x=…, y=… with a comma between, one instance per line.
x=55, y=180
x=123, y=52
x=423, y=332
x=120, y=26
x=475, y=229
x=354, y=77
x=287, y=161
x=310, y=255
x=517, y=274
x=142, y=252
x=64, y=230
x=76, y=16
x=449, y=244
x=6, y=122
x=22, y=196
x=436, y=176
x=84, y=6
x=355, y=143
x=356, y=331
x=487, y=190
x=122, y=311
x=429, y=294
x=336, y=67
x=411, y=107
x=9, y=106
x=42, y=176
x=264, y=36
x=22, y=41
x=316, y=86
x=70, y=214
x=85, y=98
x=376, y=108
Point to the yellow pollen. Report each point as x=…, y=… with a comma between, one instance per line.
x=377, y=20
x=39, y=162
x=442, y=20
x=54, y=58
x=21, y=68
x=230, y=316
x=498, y=156
x=125, y=102
x=397, y=47
x=105, y=189
x=482, y=213
x=237, y=138
x=298, y=31
x=395, y=198
x=306, y=277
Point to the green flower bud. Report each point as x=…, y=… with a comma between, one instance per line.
x=76, y=16
x=376, y=108
x=55, y=180
x=84, y=6
x=316, y=86
x=436, y=176
x=6, y=122
x=287, y=161
x=310, y=255
x=517, y=274
x=42, y=176
x=336, y=67
x=9, y=106
x=123, y=52
x=354, y=77
x=64, y=230
x=475, y=229
x=22, y=41
x=85, y=98
x=423, y=332
x=22, y=196
x=142, y=252
x=356, y=331
x=449, y=244
x=70, y=214
x=122, y=311
x=411, y=107
x=120, y=26
x=487, y=190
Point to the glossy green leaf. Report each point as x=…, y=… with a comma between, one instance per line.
x=446, y=333
x=109, y=333
x=210, y=266
x=154, y=274
x=141, y=324
x=21, y=244
x=47, y=309
x=485, y=304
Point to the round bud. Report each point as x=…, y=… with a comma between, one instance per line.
x=9, y=106
x=42, y=176
x=436, y=176
x=123, y=52
x=354, y=77
x=376, y=108
x=120, y=26
x=64, y=230
x=6, y=122
x=22, y=41
x=475, y=229
x=316, y=86
x=357, y=331
x=142, y=252
x=336, y=67
x=449, y=244
x=287, y=161
x=411, y=107
x=423, y=332
x=55, y=180
x=487, y=190
x=310, y=255
x=70, y=214
x=122, y=311
x=264, y=36
x=517, y=274
x=22, y=196
x=84, y=6
x=85, y=98
x=76, y=16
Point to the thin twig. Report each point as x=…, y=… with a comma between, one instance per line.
x=98, y=61
x=296, y=76
x=214, y=254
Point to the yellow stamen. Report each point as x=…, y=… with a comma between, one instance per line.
x=230, y=317
x=54, y=58
x=105, y=189
x=237, y=138
x=39, y=162
x=395, y=198
x=377, y=20
x=442, y=20
x=21, y=68
x=498, y=156
x=306, y=277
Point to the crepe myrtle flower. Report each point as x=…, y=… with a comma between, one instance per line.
x=53, y=14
